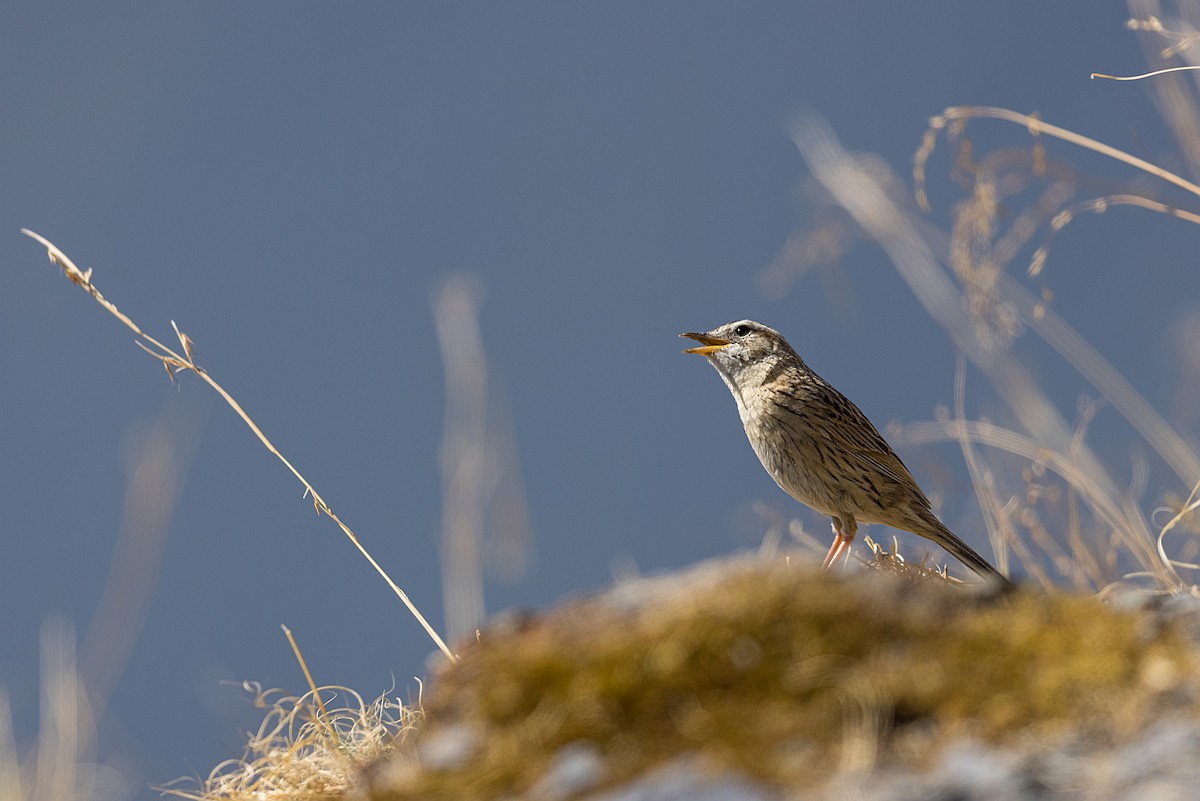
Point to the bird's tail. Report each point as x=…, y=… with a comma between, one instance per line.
x=961, y=551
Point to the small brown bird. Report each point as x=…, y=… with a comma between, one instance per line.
x=818, y=446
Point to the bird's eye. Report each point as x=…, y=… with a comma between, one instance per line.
x=742, y=330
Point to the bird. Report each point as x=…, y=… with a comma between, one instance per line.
x=818, y=446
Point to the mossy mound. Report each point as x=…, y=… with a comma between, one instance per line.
x=785, y=676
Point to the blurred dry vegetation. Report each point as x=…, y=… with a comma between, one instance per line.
x=1049, y=502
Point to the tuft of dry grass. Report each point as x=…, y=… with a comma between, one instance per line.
x=893, y=563
x=309, y=748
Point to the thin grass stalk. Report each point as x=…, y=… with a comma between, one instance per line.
x=175, y=363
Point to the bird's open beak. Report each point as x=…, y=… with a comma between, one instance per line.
x=710, y=345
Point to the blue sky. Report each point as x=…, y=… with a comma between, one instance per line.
x=291, y=181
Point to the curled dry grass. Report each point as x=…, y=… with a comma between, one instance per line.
x=314, y=746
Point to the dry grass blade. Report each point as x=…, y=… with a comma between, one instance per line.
x=1144, y=75
x=1001, y=531
x=312, y=686
x=175, y=363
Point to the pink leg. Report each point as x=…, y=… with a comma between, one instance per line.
x=843, y=535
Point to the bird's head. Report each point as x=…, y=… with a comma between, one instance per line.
x=745, y=353
x=742, y=342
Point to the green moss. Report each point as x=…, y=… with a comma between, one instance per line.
x=774, y=671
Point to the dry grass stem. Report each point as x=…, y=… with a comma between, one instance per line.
x=1163, y=71
x=175, y=363
x=1101, y=204
x=996, y=513
x=312, y=686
